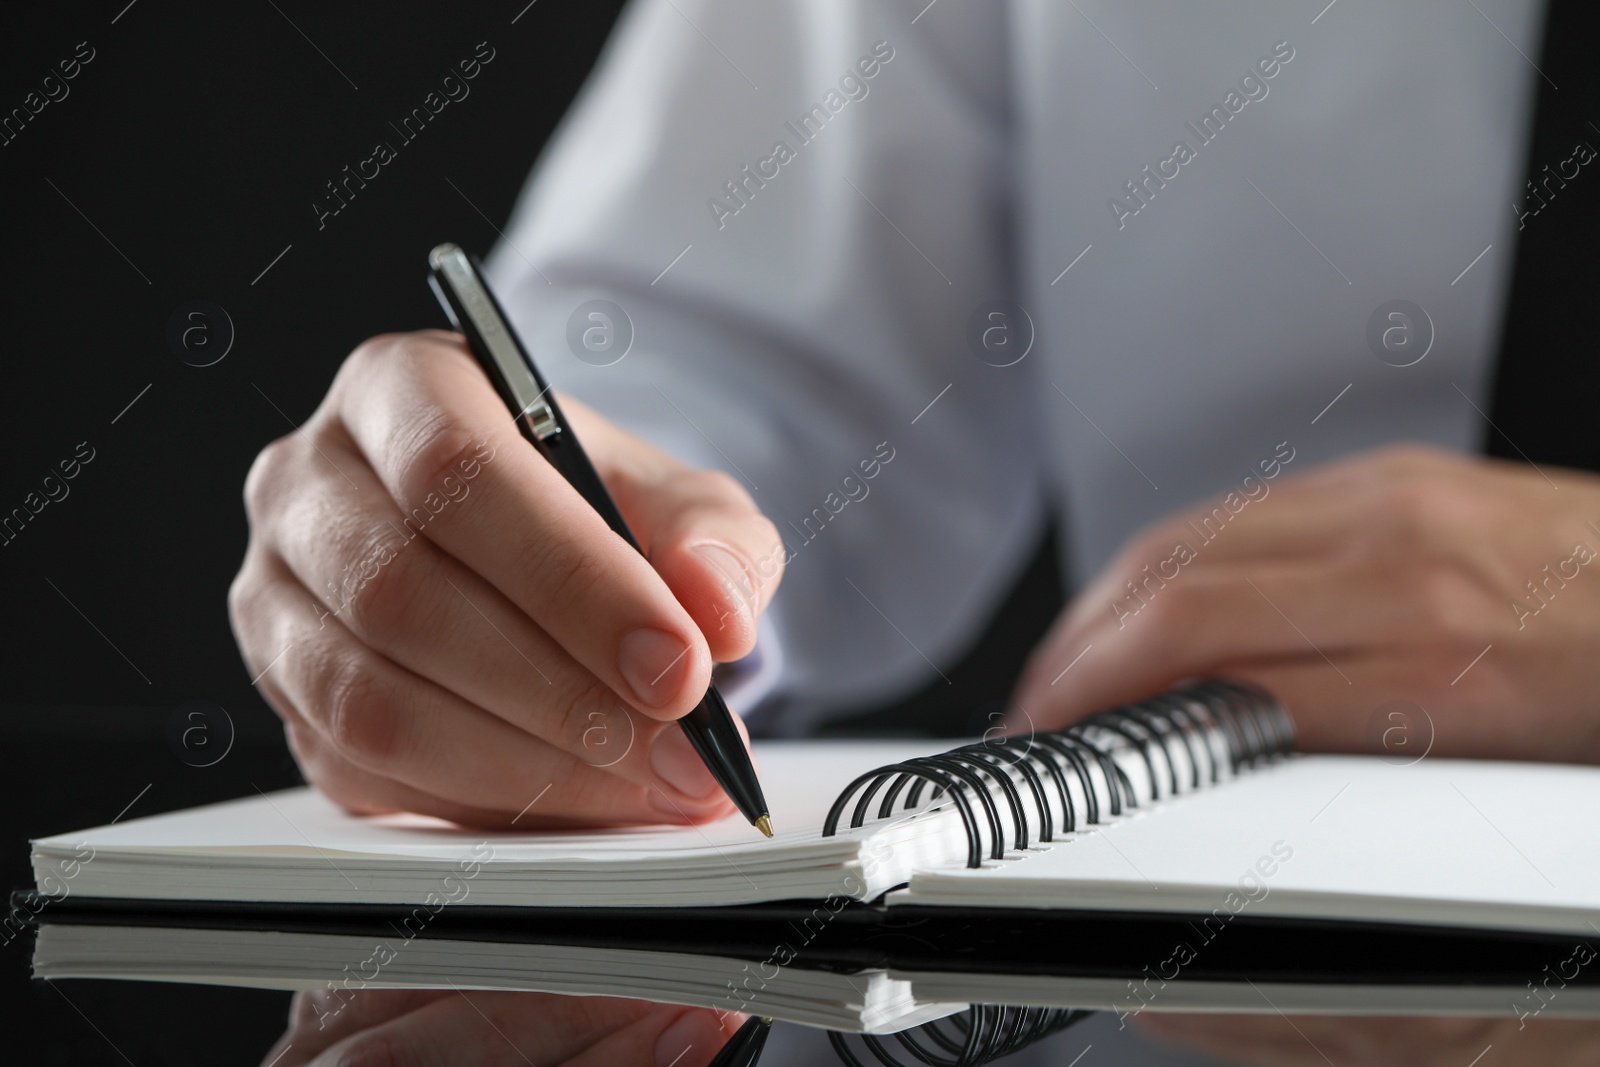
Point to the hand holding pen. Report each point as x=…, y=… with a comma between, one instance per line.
x=446, y=626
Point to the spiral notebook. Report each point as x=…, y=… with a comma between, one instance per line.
x=1190, y=803
x=1168, y=855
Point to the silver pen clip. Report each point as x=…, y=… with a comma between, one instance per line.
x=450, y=261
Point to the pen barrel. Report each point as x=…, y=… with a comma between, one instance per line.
x=716, y=737
x=570, y=460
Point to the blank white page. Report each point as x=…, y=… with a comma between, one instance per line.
x=1476, y=843
x=297, y=845
x=800, y=780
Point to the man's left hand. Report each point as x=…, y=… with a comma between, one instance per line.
x=1467, y=587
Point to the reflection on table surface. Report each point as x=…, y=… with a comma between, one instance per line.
x=499, y=1027
x=156, y=1023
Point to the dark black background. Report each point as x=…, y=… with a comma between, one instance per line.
x=196, y=141
x=192, y=148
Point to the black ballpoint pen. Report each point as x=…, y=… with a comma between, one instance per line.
x=460, y=287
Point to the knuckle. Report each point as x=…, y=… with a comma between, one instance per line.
x=264, y=477
x=568, y=573
x=363, y=725
x=241, y=596
x=364, y=359
x=1414, y=510
x=1447, y=600
x=432, y=459
x=1168, y=610
x=385, y=586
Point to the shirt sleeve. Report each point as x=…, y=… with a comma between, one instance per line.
x=770, y=238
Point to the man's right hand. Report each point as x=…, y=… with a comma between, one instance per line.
x=446, y=627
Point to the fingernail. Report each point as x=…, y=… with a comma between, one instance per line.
x=736, y=580
x=676, y=762
x=654, y=663
x=694, y=1038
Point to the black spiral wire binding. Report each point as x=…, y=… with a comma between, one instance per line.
x=1214, y=730
x=981, y=1034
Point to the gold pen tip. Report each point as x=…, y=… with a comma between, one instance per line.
x=764, y=824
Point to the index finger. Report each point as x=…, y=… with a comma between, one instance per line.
x=433, y=429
